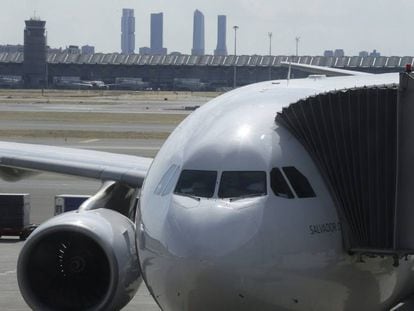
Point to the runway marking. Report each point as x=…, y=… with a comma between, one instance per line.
x=89, y=141
x=7, y=272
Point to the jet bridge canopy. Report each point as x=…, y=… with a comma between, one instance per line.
x=357, y=137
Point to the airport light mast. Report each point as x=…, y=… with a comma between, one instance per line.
x=270, y=43
x=235, y=27
x=270, y=54
x=297, y=45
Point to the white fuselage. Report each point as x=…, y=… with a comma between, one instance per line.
x=256, y=253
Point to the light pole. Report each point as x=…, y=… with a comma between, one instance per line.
x=297, y=45
x=270, y=43
x=235, y=53
x=270, y=54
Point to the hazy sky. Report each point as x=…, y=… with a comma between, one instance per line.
x=353, y=25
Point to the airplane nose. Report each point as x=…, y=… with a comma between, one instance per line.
x=195, y=263
x=211, y=227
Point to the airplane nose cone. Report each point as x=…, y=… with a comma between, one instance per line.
x=211, y=228
x=195, y=264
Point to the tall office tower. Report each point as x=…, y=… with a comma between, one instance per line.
x=339, y=53
x=198, y=33
x=375, y=53
x=156, y=34
x=328, y=53
x=34, y=51
x=221, y=35
x=127, y=31
x=87, y=49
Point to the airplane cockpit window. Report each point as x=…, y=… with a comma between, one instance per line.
x=166, y=183
x=299, y=182
x=279, y=185
x=196, y=183
x=240, y=184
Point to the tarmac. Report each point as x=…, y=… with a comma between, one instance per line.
x=44, y=187
x=52, y=125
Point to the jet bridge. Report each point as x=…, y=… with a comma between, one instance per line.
x=362, y=141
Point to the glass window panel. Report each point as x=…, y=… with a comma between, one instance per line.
x=279, y=185
x=299, y=182
x=196, y=183
x=239, y=184
x=163, y=187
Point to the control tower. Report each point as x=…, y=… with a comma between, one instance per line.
x=34, y=63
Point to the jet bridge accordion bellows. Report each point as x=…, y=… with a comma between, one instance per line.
x=353, y=139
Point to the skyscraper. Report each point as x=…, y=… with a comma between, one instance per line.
x=221, y=48
x=156, y=34
x=198, y=33
x=87, y=49
x=127, y=31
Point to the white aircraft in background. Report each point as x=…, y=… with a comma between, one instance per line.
x=81, y=84
x=233, y=214
x=93, y=84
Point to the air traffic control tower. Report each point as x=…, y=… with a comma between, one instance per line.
x=34, y=63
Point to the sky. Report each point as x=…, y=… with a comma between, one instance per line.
x=352, y=25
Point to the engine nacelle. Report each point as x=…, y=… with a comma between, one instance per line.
x=80, y=261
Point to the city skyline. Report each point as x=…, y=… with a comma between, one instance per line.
x=321, y=24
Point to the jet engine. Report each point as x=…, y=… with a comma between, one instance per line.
x=84, y=260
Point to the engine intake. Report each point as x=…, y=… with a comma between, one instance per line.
x=80, y=261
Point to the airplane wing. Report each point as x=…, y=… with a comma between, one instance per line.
x=17, y=160
x=328, y=71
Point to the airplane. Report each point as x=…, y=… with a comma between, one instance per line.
x=10, y=81
x=245, y=207
x=124, y=83
x=95, y=84
x=84, y=84
x=130, y=84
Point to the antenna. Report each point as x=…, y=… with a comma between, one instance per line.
x=35, y=18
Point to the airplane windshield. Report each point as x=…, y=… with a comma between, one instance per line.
x=242, y=184
x=196, y=183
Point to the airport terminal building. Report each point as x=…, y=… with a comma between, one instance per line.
x=191, y=72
